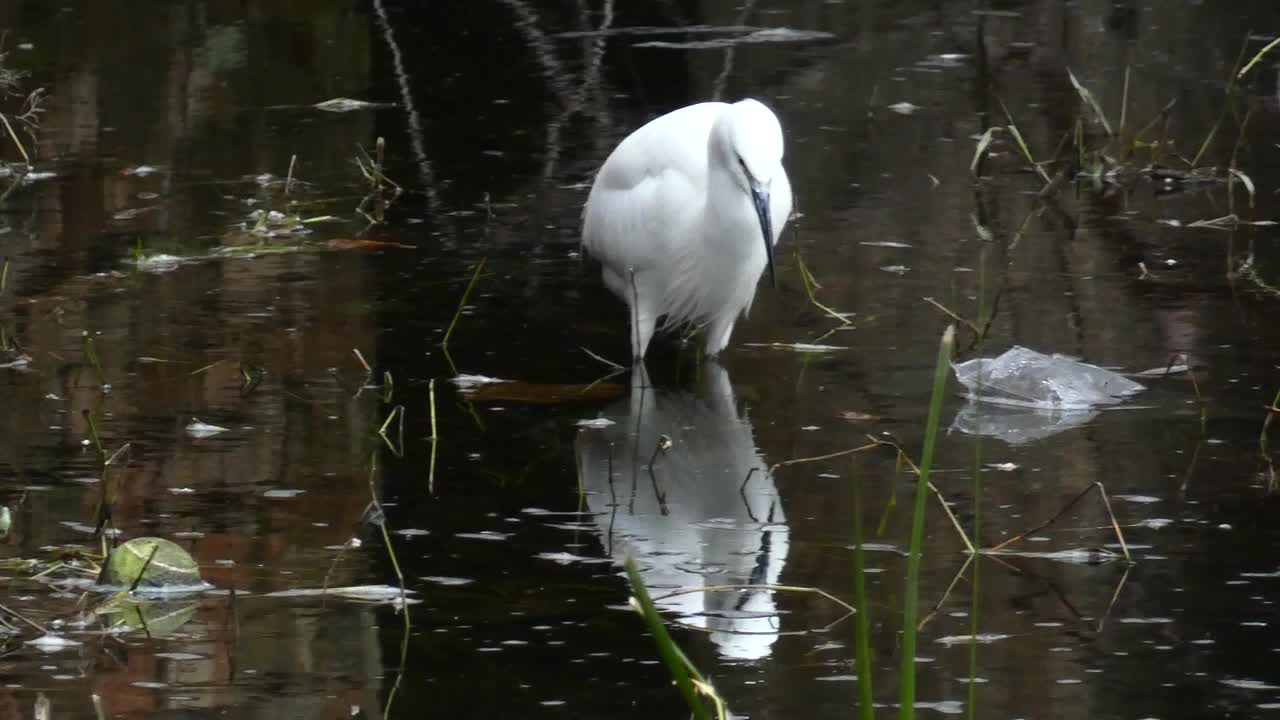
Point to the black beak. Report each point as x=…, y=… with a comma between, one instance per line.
x=760, y=197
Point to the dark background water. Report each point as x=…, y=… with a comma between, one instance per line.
x=500, y=112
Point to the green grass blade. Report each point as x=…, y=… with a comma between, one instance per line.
x=1270, y=46
x=862, y=624
x=1091, y=101
x=911, y=599
x=984, y=142
x=462, y=303
x=1012, y=127
x=671, y=655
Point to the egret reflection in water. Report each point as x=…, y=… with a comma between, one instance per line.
x=677, y=483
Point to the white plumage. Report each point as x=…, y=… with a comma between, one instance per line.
x=684, y=214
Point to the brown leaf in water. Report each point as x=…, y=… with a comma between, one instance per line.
x=545, y=394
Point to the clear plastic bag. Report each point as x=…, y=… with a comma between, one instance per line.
x=1026, y=378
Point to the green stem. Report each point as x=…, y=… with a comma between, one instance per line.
x=911, y=600
x=862, y=626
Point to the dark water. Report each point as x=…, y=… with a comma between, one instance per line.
x=501, y=112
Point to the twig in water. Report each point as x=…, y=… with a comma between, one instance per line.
x=23, y=618
x=16, y=141
x=594, y=356
x=1124, y=547
x=828, y=456
x=382, y=525
x=288, y=179
x=810, y=284
x=955, y=580
x=1120, y=585
x=435, y=438
x=976, y=330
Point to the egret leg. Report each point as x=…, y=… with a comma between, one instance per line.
x=642, y=306
x=718, y=333
x=644, y=318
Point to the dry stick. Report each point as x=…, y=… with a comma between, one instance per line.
x=386, y=536
x=954, y=581
x=1114, y=596
x=1106, y=503
x=810, y=284
x=288, y=180
x=24, y=619
x=594, y=356
x=828, y=456
x=435, y=438
x=208, y=367
x=942, y=500
x=363, y=363
x=14, y=136
x=976, y=330
x=749, y=586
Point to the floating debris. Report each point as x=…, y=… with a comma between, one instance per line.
x=338, y=105
x=1164, y=370
x=21, y=362
x=1026, y=378
x=1137, y=498
x=1075, y=556
x=1249, y=684
x=364, y=593
x=766, y=35
x=158, y=263
x=283, y=493
x=53, y=643
x=468, y=382
x=799, y=347
x=152, y=564
x=904, y=108
x=979, y=639
x=566, y=558
x=198, y=429
x=490, y=535
x=448, y=581
x=595, y=423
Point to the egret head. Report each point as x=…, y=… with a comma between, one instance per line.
x=751, y=141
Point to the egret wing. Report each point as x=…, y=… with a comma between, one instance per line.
x=649, y=188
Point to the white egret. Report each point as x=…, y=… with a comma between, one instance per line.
x=677, y=212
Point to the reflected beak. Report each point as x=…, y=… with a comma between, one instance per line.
x=760, y=198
